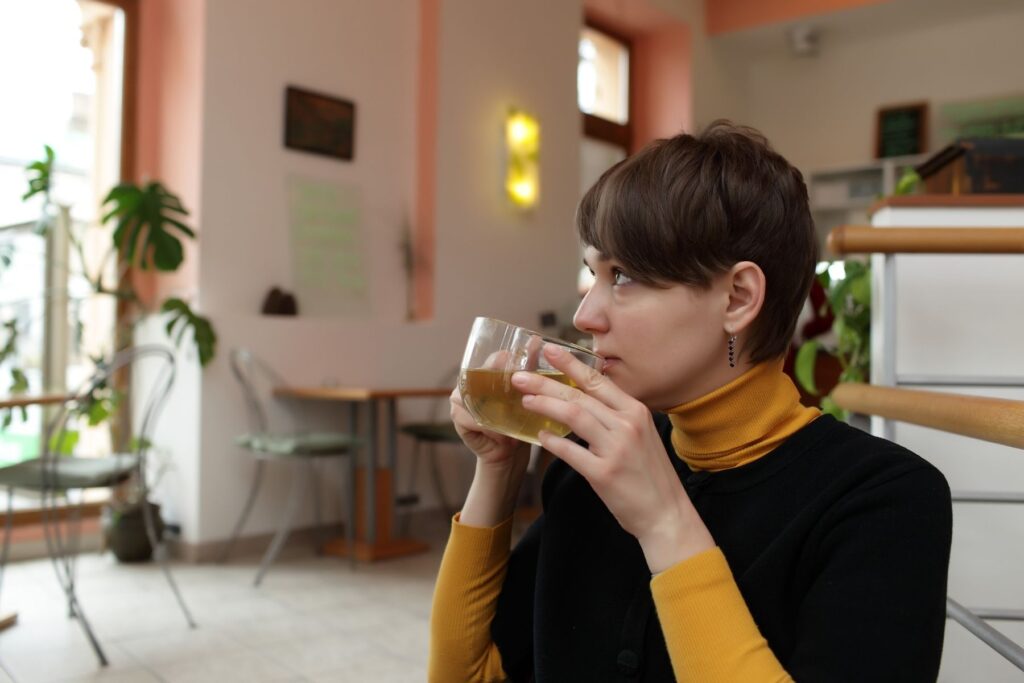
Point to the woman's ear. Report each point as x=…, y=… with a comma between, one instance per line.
x=745, y=284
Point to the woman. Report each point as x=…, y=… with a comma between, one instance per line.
x=733, y=535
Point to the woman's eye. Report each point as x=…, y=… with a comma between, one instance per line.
x=620, y=278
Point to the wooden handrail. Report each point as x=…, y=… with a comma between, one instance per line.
x=990, y=419
x=860, y=239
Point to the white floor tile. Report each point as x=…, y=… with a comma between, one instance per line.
x=314, y=619
x=244, y=667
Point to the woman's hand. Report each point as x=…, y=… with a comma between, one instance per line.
x=626, y=463
x=491, y=448
x=500, y=467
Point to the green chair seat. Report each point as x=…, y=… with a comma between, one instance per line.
x=433, y=432
x=309, y=444
x=72, y=472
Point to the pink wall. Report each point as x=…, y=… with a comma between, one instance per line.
x=169, y=126
x=721, y=16
x=426, y=162
x=661, y=84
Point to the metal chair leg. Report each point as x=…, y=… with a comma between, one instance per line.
x=65, y=573
x=159, y=547
x=350, y=496
x=246, y=509
x=8, y=521
x=411, y=485
x=314, y=489
x=435, y=471
x=298, y=488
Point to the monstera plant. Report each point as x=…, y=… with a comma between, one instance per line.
x=149, y=229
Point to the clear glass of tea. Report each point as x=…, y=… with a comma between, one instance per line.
x=497, y=349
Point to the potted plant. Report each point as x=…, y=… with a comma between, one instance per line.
x=848, y=287
x=148, y=232
x=848, y=296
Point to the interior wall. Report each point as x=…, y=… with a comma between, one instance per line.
x=490, y=258
x=801, y=103
x=169, y=105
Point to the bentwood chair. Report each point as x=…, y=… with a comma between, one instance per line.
x=301, y=450
x=55, y=475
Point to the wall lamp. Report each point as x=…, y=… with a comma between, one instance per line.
x=522, y=146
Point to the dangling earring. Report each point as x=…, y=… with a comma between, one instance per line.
x=732, y=351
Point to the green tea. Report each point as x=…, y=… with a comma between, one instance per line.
x=498, y=406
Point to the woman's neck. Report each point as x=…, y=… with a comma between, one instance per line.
x=739, y=422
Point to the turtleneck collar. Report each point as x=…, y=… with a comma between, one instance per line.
x=739, y=422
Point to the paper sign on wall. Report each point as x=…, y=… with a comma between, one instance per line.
x=328, y=256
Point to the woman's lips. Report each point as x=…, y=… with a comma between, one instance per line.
x=610, y=362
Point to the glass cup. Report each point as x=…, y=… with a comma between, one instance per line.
x=495, y=350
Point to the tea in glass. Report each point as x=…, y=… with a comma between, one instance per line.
x=495, y=351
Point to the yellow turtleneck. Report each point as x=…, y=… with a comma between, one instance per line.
x=709, y=632
x=738, y=423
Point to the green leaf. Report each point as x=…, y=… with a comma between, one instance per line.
x=66, y=445
x=147, y=219
x=806, y=361
x=138, y=443
x=43, y=170
x=183, y=318
x=860, y=289
x=829, y=407
x=908, y=182
x=19, y=382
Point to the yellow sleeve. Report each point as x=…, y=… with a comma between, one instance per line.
x=465, y=599
x=710, y=633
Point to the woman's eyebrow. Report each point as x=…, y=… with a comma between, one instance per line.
x=603, y=258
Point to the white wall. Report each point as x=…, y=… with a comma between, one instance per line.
x=490, y=259
x=820, y=111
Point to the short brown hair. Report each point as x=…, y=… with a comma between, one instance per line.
x=685, y=209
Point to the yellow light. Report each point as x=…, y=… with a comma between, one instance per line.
x=523, y=192
x=522, y=143
x=522, y=132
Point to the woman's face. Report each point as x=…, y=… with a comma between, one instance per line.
x=665, y=346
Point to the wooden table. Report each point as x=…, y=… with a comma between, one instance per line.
x=8, y=619
x=374, y=485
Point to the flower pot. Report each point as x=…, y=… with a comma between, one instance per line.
x=124, y=529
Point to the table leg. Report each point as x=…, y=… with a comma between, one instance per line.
x=392, y=428
x=369, y=536
x=350, y=497
x=371, y=474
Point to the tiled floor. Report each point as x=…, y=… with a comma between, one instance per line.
x=313, y=619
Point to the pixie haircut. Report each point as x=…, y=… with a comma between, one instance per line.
x=688, y=208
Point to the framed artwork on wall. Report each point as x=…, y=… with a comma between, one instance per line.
x=318, y=123
x=901, y=130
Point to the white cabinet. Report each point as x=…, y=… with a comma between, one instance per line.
x=954, y=324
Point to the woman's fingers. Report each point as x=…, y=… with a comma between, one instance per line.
x=563, y=400
x=573, y=454
x=579, y=419
x=589, y=380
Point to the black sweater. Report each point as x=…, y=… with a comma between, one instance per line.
x=839, y=542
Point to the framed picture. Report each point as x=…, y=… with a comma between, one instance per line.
x=319, y=123
x=901, y=130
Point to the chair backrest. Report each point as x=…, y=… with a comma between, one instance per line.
x=253, y=375
x=146, y=405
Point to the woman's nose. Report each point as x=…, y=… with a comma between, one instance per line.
x=590, y=317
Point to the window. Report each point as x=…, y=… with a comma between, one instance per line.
x=602, y=90
x=602, y=86
x=63, y=88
